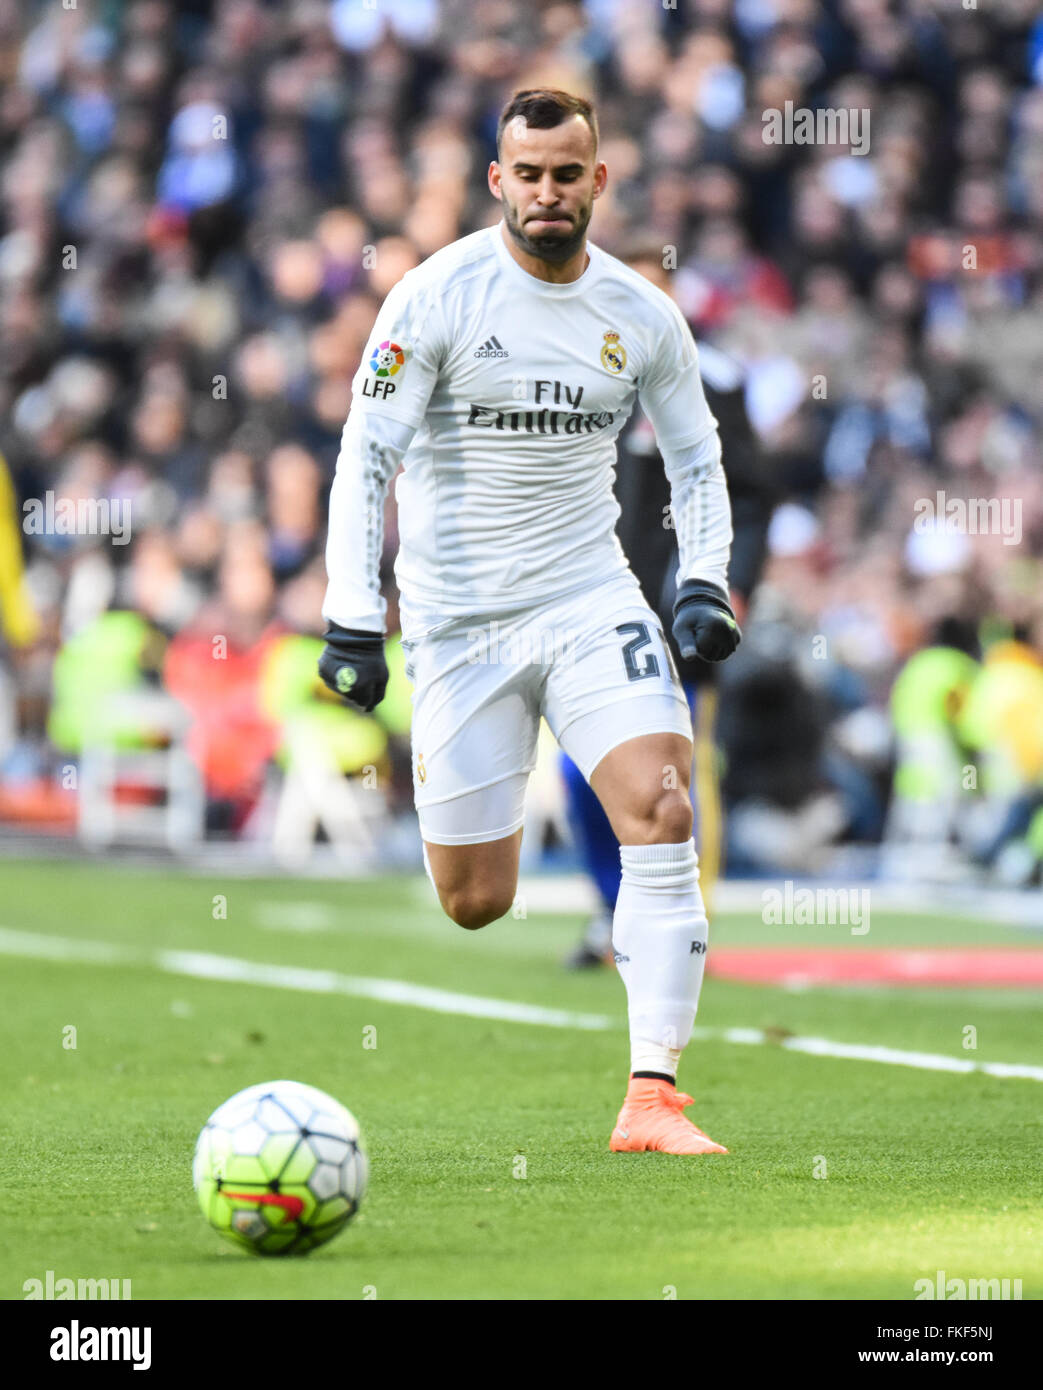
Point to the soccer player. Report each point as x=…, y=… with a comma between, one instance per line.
x=500, y=372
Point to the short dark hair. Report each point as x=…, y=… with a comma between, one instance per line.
x=543, y=108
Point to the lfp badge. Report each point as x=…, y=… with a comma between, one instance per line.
x=388, y=358
x=613, y=354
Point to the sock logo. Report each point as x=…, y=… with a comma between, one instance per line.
x=618, y=958
x=698, y=948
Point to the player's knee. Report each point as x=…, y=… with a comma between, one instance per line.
x=667, y=819
x=475, y=907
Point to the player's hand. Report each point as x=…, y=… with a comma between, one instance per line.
x=704, y=624
x=352, y=665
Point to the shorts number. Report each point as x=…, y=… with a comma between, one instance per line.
x=651, y=662
x=642, y=638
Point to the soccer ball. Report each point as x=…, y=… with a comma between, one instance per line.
x=280, y=1168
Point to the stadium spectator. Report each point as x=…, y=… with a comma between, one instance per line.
x=202, y=206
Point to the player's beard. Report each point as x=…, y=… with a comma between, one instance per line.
x=555, y=247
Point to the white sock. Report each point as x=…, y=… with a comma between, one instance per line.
x=659, y=935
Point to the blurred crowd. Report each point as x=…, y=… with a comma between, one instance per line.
x=203, y=204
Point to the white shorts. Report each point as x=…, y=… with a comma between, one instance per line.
x=593, y=663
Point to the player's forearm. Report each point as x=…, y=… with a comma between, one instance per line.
x=701, y=511
x=371, y=450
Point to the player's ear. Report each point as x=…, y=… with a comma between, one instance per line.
x=600, y=178
x=494, y=179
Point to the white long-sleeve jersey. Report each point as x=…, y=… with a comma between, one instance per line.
x=504, y=396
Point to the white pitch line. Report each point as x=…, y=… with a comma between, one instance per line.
x=64, y=948
x=870, y=1052
x=201, y=965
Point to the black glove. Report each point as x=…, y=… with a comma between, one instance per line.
x=704, y=624
x=352, y=665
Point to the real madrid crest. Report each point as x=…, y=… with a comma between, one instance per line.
x=613, y=354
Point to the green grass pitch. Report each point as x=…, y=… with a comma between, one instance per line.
x=491, y=1176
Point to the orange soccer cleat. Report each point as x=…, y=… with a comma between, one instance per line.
x=651, y=1119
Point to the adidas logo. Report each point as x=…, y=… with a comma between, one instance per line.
x=492, y=347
